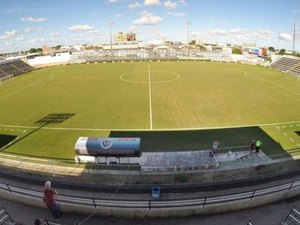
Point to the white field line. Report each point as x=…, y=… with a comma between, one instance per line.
x=287, y=134
x=150, y=97
x=255, y=77
x=26, y=86
x=145, y=129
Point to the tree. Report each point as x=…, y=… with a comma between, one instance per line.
x=57, y=47
x=271, y=49
x=35, y=50
x=237, y=51
x=282, y=51
x=192, y=42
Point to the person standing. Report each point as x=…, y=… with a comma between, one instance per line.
x=258, y=144
x=49, y=201
x=252, y=146
x=215, y=146
x=40, y=222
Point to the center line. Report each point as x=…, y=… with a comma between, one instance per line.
x=150, y=96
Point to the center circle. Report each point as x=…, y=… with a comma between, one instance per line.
x=156, y=76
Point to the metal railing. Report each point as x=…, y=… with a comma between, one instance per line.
x=250, y=222
x=152, y=204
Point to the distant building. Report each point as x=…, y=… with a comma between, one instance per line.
x=122, y=37
x=131, y=37
x=249, y=44
x=48, y=50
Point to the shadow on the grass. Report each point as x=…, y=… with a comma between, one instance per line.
x=202, y=139
x=6, y=139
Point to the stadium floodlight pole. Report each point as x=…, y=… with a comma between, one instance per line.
x=278, y=40
x=294, y=37
x=188, y=23
x=110, y=36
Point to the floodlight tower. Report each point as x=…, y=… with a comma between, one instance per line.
x=188, y=24
x=110, y=36
x=294, y=37
x=278, y=40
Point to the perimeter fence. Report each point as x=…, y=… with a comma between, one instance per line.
x=147, y=204
x=242, y=168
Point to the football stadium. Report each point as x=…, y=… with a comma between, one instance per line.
x=140, y=130
x=51, y=107
x=176, y=108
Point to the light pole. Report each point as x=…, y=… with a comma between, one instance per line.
x=188, y=23
x=110, y=36
x=294, y=37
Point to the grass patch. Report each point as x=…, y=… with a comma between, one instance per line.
x=229, y=138
x=184, y=95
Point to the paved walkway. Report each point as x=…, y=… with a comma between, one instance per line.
x=265, y=215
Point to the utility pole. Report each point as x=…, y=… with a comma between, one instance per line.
x=294, y=37
x=110, y=36
x=278, y=40
x=188, y=23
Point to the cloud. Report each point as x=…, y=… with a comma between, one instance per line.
x=115, y=1
x=148, y=19
x=296, y=11
x=12, y=10
x=170, y=5
x=259, y=34
x=177, y=14
x=264, y=32
x=214, y=32
x=82, y=28
x=119, y=15
x=237, y=34
x=135, y=5
x=55, y=35
x=9, y=35
x=285, y=37
x=32, y=19
x=19, y=37
x=133, y=28
x=183, y=2
x=151, y=2
x=112, y=1
x=33, y=41
x=32, y=29
x=96, y=13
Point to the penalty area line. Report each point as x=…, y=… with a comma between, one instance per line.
x=145, y=129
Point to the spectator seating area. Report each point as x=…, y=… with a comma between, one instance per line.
x=292, y=218
x=288, y=65
x=5, y=218
x=11, y=69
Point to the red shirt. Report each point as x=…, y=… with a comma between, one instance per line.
x=49, y=196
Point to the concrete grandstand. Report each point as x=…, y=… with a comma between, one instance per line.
x=9, y=69
x=15, y=68
x=140, y=51
x=288, y=65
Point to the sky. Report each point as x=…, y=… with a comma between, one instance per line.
x=26, y=24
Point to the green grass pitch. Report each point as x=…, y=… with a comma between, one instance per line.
x=103, y=98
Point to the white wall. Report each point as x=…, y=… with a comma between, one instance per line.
x=44, y=60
